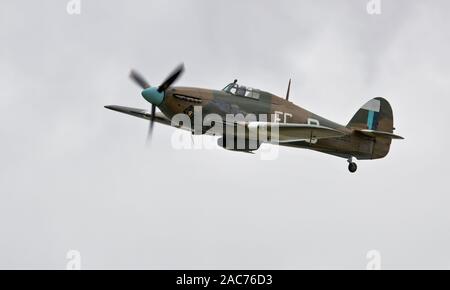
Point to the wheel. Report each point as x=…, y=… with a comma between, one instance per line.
x=352, y=167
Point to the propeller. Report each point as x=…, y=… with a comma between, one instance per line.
x=139, y=79
x=142, y=82
x=171, y=78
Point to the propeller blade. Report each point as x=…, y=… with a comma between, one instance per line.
x=171, y=78
x=139, y=79
x=150, y=127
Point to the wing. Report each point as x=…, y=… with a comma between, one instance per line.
x=140, y=113
x=292, y=132
x=287, y=132
x=305, y=132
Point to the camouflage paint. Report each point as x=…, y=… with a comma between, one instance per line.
x=355, y=144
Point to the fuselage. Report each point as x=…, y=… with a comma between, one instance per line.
x=183, y=100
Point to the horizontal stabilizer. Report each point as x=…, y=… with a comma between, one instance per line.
x=373, y=133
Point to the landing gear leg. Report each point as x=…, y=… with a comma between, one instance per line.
x=352, y=165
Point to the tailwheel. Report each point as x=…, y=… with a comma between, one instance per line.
x=352, y=167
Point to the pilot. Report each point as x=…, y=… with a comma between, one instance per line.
x=241, y=91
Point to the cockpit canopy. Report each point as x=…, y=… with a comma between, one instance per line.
x=241, y=91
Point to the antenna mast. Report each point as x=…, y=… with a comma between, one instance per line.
x=288, y=90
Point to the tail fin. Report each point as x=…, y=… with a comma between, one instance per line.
x=375, y=116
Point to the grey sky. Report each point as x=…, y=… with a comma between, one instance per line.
x=76, y=176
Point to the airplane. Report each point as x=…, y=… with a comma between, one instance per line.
x=367, y=136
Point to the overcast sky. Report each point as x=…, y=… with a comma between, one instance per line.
x=74, y=175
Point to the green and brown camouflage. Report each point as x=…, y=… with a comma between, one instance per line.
x=368, y=135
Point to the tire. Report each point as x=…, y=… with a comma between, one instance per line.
x=352, y=167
